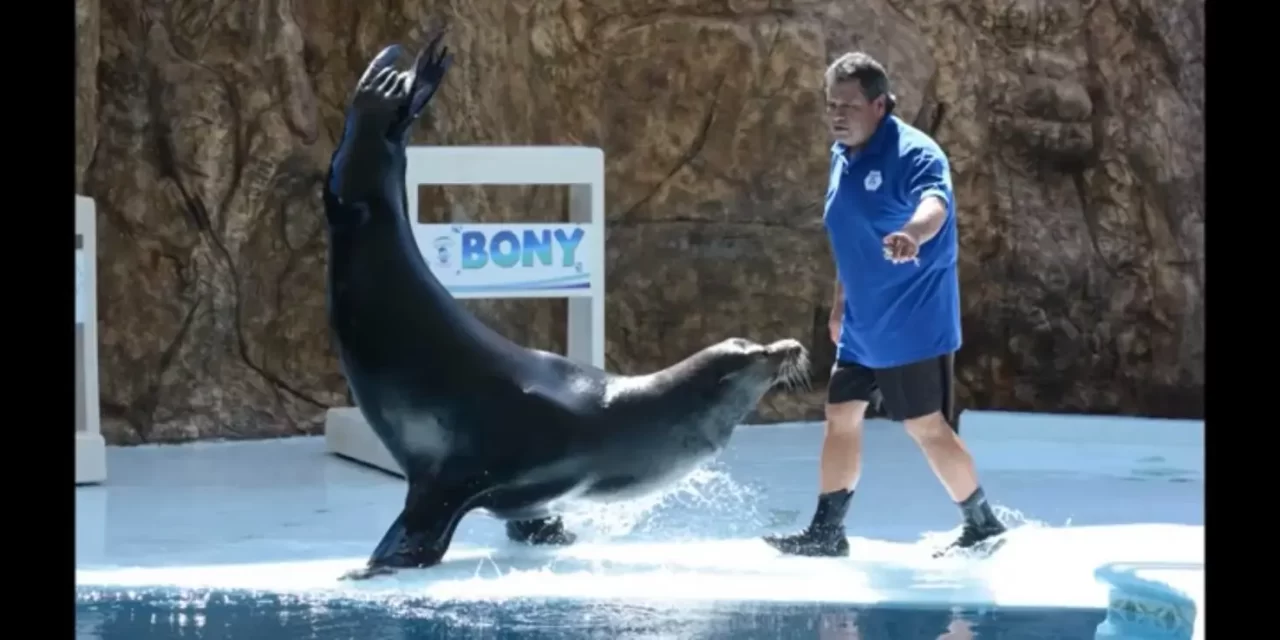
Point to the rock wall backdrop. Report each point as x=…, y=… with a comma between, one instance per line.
x=1074, y=128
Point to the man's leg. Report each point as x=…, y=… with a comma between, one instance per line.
x=921, y=396
x=840, y=463
x=848, y=394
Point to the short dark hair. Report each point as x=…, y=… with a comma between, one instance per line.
x=869, y=74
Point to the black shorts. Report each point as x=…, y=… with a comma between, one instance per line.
x=907, y=391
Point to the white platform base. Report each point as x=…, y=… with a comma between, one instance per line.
x=91, y=458
x=348, y=435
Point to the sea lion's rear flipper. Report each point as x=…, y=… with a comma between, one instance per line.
x=428, y=73
x=384, y=60
x=421, y=534
x=373, y=110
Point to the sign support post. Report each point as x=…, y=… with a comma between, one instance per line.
x=91, y=449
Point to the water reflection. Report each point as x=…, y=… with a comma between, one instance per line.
x=152, y=615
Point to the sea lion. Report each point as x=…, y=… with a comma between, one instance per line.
x=475, y=420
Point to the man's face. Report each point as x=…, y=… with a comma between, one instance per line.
x=851, y=117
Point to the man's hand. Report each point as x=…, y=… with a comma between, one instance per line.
x=903, y=245
x=833, y=325
x=900, y=247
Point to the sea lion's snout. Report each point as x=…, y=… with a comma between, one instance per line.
x=785, y=352
x=791, y=364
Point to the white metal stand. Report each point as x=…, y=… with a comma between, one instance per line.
x=91, y=450
x=582, y=170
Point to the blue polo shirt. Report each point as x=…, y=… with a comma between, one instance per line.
x=894, y=314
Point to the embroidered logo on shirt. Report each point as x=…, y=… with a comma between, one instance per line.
x=873, y=181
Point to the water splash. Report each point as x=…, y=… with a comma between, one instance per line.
x=708, y=493
x=1012, y=519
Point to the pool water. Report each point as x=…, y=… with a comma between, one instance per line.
x=143, y=614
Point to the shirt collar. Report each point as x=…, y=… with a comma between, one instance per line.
x=877, y=141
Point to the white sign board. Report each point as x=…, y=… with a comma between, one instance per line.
x=516, y=260
x=80, y=276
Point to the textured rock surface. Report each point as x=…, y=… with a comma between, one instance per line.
x=1075, y=131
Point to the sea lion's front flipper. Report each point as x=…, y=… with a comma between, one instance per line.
x=421, y=534
x=542, y=531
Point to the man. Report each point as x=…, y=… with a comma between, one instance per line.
x=890, y=216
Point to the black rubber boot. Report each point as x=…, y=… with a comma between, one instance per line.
x=980, y=525
x=824, y=537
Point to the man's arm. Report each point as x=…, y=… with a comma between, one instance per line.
x=929, y=184
x=836, y=317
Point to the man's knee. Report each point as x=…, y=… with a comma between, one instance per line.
x=845, y=417
x=929, y=427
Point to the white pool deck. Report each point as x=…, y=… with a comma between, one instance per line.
x=1100, y=496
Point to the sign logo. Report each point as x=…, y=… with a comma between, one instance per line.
x=873, y=181
x=507, y=250
x=444, y=250
x=522, y=259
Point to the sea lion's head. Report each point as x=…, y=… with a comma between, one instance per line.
x=749, y=366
